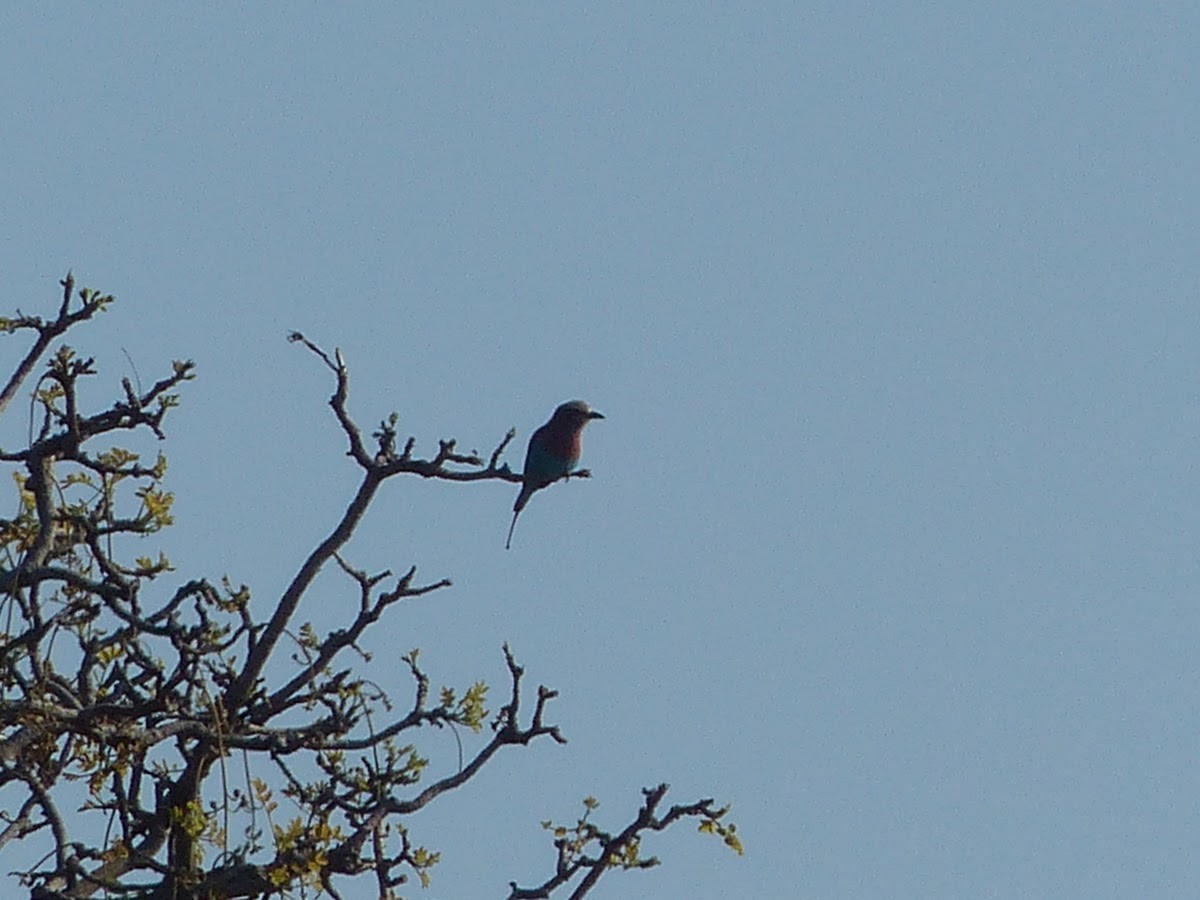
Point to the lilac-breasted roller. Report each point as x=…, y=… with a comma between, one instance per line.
x=553, y=453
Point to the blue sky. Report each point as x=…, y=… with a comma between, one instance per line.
x=892, y=310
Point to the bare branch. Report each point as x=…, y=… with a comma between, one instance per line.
x=48, y=331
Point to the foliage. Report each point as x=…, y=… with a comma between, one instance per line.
x=149, y=709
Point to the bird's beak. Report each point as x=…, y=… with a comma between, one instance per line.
x=592, y=414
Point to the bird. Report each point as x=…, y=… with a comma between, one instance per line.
x=553, y=453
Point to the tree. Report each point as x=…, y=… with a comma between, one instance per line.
x=151, y=710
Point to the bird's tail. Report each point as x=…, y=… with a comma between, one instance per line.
x=522, y=499
x=508, y=543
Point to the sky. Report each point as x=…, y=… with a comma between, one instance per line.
x=892, y=311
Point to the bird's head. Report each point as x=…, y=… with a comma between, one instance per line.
x=576, y=413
